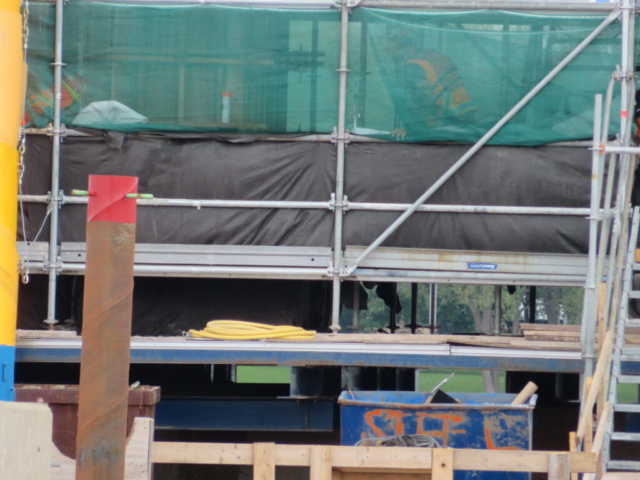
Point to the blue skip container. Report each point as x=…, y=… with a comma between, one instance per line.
x=480, y=420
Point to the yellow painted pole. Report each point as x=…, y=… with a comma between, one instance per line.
x=12, y=81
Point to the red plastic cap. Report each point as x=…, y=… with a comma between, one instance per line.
x=226, y=93
x=107, y=202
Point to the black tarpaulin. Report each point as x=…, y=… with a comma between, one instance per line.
x=202, y=167
x=197, y=168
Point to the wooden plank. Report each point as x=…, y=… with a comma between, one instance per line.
x=620, y=476
x=550, y=328
x=598, y=442
x=375, y=475
x=559, y=466
x=598, y=439
x=518, y=461
x=381, y=457
x=601, y=366
x=529, y=344
x=602, y=314
x=362, y=458
x=264, y=461
x=320, y=463
x=442, y=464
x=588, y=434
x=572, y=448
x=137, y=455
x=25, y=441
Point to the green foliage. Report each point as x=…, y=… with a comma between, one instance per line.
x=471, y=308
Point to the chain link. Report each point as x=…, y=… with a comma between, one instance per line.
x=22, y=147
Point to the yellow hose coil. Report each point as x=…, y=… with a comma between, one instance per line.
x=239, y=330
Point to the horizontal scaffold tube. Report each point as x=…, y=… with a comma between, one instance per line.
x=540, y=5
x=385, y=207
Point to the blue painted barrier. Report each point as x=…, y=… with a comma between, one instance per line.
x=480, y=420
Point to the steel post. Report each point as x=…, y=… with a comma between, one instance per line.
x=498, y=310
x=106, y=331
x=55, y=167
x=339, y=201
x=433, y=308
x=588, y=325
x=485, y=138
x=355, y=325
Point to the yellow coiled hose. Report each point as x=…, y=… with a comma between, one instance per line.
x=239, y=330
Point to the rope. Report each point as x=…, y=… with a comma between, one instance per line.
x=239, y=330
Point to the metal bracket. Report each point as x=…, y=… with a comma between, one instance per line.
x=50, y=131
x=344, y=205
x=46, y=264
x=330, y=270
x=335, y=138
x=603, y=215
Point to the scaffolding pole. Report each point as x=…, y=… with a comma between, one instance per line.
x=480, y=143
x=329, y=205
x=588, y=325
x=55, y=168
x=549, y=5
x=341, y=145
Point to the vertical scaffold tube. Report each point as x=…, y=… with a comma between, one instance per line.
x=11, y=102
x=106, y=331
x=341, y=131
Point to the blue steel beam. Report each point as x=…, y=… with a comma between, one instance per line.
x=284, y=414
x=327, y=354
x=248, y=357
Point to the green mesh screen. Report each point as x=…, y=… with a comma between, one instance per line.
x=415, y=76
x=452, y=76
x=170, y=66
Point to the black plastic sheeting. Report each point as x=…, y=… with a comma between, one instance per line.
x=170, y=306
x=210, y=167
x=197, y=168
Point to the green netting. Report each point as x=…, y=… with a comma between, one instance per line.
x=171, y=66
x=415, y=76
x=452, y=76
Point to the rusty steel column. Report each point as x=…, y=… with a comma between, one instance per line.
x=106, y=331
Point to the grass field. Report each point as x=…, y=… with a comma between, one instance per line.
x=462, y=381
x=468, y=381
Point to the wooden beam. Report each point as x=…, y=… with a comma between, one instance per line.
x=602, y=314
x=559, y=466
x=442, y=464
x=588, y=433
x=320, y=463
x=408, y=459
x=518, y=461
x=601, y=367
x=264, y=461
x=572, y=448
x=383, y=476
